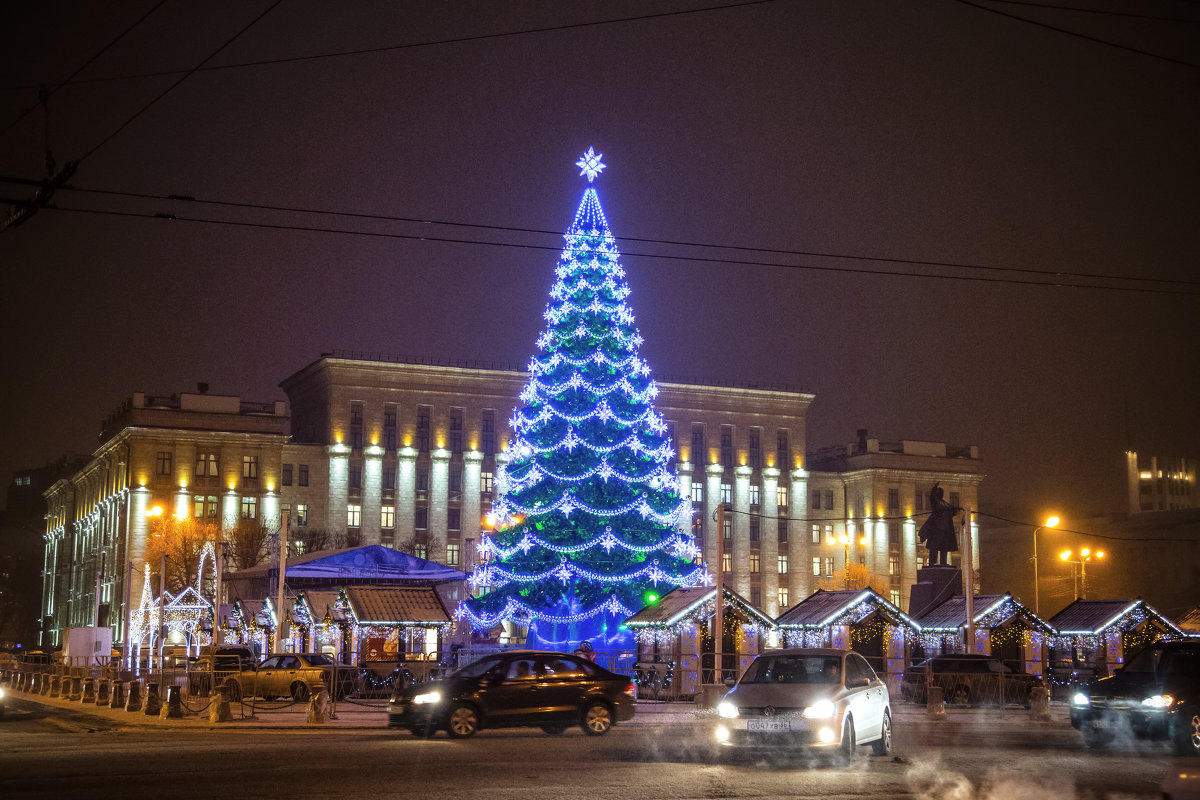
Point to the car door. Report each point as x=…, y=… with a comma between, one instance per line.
x=865, y=701
x=287, y=673
x=258, y=683
x=513, y=695
x=564, y=683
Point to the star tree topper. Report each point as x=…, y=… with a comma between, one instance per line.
x=590, y=164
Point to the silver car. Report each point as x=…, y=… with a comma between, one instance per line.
x=809, y=698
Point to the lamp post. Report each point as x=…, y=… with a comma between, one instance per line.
x=1051, y=522
x=1085, y=555
x=846, y=539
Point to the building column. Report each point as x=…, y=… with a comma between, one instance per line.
x=471, y=518
x=683, y=469
x=372, y=494
x=339, y=487
x=406, y=499
x=183, y=503
x=229, y=509
x=799, y=541
x=768, y=535
x=741, y=531
x=712, y=498
x=439, y=490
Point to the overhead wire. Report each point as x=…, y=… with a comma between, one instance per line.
x=660, y=256
x=1101, y=11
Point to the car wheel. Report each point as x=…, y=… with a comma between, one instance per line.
x=845, y=752
x=1187, y=731
x=556, y=729
x=462, y=722
x=883, y=745
x=960, y=695
x=234, y=689
x=299, y=691
x=597, y=719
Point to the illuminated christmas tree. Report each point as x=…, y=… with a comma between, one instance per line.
x=590, y=526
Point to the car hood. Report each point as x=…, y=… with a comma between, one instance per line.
x=781, y=695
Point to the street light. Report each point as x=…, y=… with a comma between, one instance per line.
x=846, y=540
x=1051, y=522
x=1085, y=555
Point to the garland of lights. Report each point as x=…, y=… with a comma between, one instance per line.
x=684, y=546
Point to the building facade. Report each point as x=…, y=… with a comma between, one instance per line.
x=411, y=455
x=1160, y=484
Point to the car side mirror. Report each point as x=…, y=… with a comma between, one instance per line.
x=855, y=683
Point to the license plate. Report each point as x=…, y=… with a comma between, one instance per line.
x=769, y=725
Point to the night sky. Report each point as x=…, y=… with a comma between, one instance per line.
x=932, y=131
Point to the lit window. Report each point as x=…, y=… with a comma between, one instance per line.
x=249, y=507
x=783, y=597
x=829, y=534
x=754, y=563
x=816, y=565
x=781, y=496
x=421, y=551
x=353, y=515
x=828, y=566
x=755, y=495
x=452, y=555
x=697, y=492
x=727, y=562
x=302, y=514
x=726, y=493
x=387, y=516
x=485, y=482
x=894, y=565
x=783, y=565
x=250, y=467
x=895, y=593
x=816, y=534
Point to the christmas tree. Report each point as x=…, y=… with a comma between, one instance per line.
x=590, y=526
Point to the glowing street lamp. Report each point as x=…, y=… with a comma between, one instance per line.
x=846, y=540
x=1051, y=522
x=1085, y=555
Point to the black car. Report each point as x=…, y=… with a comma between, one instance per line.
x=1154, y=696
x=968, y=679
x=549, y=690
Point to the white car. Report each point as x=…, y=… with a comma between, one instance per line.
x=810, y=698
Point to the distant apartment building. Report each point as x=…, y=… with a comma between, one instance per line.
x=1160, y=484
x=411, y=456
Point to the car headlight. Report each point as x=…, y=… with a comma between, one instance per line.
x=822, y=709
x=1159, y=701
x=426, y=698
x=1, y=692
x=727, y=710
x=1080, y=699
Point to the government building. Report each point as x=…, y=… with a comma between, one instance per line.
x=410, y=455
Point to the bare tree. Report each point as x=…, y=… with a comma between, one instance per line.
x=249, y=543
x=857, y=576
x=180, y=542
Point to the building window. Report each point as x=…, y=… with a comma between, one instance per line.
x=455, y=480
x=782, y=529
x=489, y=433
x=485, y=482
x=920, y=562
x=302, y=476
x=698, y=529
x=816, y=534
x=249, y=507
x=354, y=515
x=756, y=448
x=756, y=597
x=301, y=514
x=728, y=527
x=356, y=426
x=697, y=492
x=727, y=562
x=162, y=463
x=817, y=566
x=895, y=596
x=783, y=597
x=783, y=565
x=423, y=428
x=387, y=516
x=893, y=565
x=827, y=566
x=389, y=427
x=422, y=518
x=456, y=430
x=698, y=454
x=919, y=501
x=783, y=453
x=828, y=534
x=781, y=496
x=389, y=478
x=727, y=446
x=893, y=533
x=829, y=499
x=206, y=465
x=754, y=563
x=954, y=501
x=893, y=500
x=816, y=498
x=755, y=495
x=422, y=480
x=206, y=506
x=250, y=467
x=454, y=518
x=754, y=523
x=420, y=551
x=452, y=555
x=726, y=493
x=356, y=477
x=287, y=475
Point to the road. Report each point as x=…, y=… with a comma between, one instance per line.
x=67, y=754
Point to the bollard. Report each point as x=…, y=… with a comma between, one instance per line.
x=935, y=705
x=1039, y=704
x=76, y=691
x=173, y=707
x=102, y=692
x=56, y=686
x=153, y=700
x=47, y=682
x=89, y=691
x=218, y=705
x=134, y=703
x=21, y=678
x=318, y=706
x=35, y=684
x=118, y=695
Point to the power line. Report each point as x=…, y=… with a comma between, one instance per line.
x=85, y=65
x=640, y=240
x=1193, y=540
x=698, y=259
x=183, y=78
x=1105, y=12
x=411, y=45
x=1078, y=35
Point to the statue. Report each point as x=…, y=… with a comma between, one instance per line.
x=938, y=531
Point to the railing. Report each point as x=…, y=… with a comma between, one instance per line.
x=970, y=688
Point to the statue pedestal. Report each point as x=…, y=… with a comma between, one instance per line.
x=934, y=585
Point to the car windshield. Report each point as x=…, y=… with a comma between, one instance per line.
x=477, y=668
x=794, y=669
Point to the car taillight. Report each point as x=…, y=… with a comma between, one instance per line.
x=631, y=689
